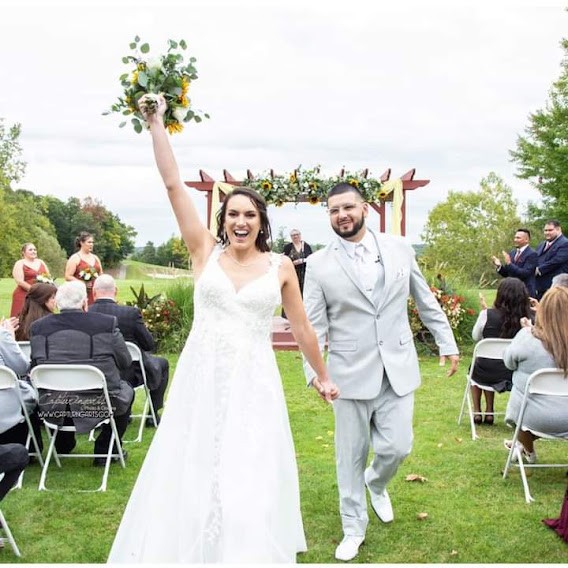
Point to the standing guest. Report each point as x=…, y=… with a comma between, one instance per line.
x=219, y=483
x=133, y=329
x=520, y=262
x=552, y=257
x=25, y=273
x=298, y=251
x=84, y=265
x=512, y=303
x=39, y=302
x=76, y=336
x=543, y=345
x=356, y=292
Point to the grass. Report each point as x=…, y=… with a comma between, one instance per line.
x=474, y=516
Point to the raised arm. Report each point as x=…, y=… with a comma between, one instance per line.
x=197, y=238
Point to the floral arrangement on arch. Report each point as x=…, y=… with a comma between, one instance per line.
x=167, y=75
x=312, y=185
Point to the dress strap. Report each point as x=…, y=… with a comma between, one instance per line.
x=275, y=261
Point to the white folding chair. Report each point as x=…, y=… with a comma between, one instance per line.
x=74, y=378
x=136, y=355
x=9, y=380
x=9, y=537
x=26, y=348
x=489, y=348
x=549, y=382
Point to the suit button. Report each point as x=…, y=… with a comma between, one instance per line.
x=378, y=316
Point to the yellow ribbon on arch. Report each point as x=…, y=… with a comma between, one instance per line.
x=218, y=186
x=394, y=186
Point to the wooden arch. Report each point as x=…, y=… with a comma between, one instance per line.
x=408, y=184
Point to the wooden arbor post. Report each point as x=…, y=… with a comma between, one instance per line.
x=408, y=184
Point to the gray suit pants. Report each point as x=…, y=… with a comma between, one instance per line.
x=384, y=422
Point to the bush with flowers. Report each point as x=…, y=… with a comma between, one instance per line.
x=168, y=75
x=460, y=317
x=161, y=314
x=310, y=185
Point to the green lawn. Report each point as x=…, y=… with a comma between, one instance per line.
x=474, y=516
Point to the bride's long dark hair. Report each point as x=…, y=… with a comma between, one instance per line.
x=264, y=236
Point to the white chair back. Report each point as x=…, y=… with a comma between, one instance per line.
x=68, y=377
x=490, y=348
x=548, y=382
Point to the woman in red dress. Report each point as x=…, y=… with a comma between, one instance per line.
x=84, y=265
x=25, y=273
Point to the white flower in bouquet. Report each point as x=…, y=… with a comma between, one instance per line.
x=167, y=75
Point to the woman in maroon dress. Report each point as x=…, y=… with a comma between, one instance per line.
x=26, y=272
x=84, y=265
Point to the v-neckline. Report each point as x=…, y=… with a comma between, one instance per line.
x=236, y=290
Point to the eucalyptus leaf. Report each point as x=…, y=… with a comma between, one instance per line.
x=182, y=44
x=136, y=39
x=197, y=118
x=145, y=48
x=142, y=79
x=132, y=46
x=122, y=124
x=125, y=60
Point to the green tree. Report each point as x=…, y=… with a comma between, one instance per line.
x=147, y=254
x=280, y=241
x=12, y=167
x=173, y=253
x=542, y=153
x=464, y=231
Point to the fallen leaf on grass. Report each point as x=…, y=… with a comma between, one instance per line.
x=330, y=432
x=319, y=437
x=459, y=440
x=415, y=477
x=440, y=445
x=454, y=553
x=422, y=516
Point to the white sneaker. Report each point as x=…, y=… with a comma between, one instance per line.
x=529, y=457
x=349, y=547
x=382, y=506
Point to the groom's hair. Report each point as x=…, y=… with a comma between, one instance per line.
x=265, y=235
x=344, y=187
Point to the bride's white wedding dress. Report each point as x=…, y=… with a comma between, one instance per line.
x=219, y=482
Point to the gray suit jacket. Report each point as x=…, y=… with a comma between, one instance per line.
x=369, y=333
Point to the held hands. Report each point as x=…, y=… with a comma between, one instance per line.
x=454, y=362
x=327, y=390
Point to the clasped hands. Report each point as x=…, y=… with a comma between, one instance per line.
x=497, y=262
x=327, y=390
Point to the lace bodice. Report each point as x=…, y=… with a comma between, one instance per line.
x=220, y=309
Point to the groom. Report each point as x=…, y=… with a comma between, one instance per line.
x=356, y=291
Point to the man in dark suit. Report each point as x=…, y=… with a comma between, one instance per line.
x=75, y=336
x=520, y=262
x=133, y=329
x=552, y=257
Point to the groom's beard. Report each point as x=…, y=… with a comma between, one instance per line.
x=345, y=234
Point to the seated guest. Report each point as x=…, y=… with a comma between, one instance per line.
x=133, y=329
x=39, y=302
x=543, y=345
x=13, y=427
x=502, y=320
x=75, y=336
x=13, y=460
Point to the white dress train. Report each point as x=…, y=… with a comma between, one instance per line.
x=219, y=482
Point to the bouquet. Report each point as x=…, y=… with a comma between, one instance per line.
x=44, y=278
x=167, y=75
x=88, y=274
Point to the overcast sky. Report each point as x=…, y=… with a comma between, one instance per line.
x=441, y=87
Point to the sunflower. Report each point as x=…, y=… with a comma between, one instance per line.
x=266, y=185
x=353, y=182
x=134, y=79
x=174, y=127
x=382, y=194
x=313, y=199
x=184, y=87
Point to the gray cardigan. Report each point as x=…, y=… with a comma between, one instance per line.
x=11, y=356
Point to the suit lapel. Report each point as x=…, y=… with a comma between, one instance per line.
x=387, y=262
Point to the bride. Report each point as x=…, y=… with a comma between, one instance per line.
x=219, y=482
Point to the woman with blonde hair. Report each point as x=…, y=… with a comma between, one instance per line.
x=543, y=345
x=26, y=272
